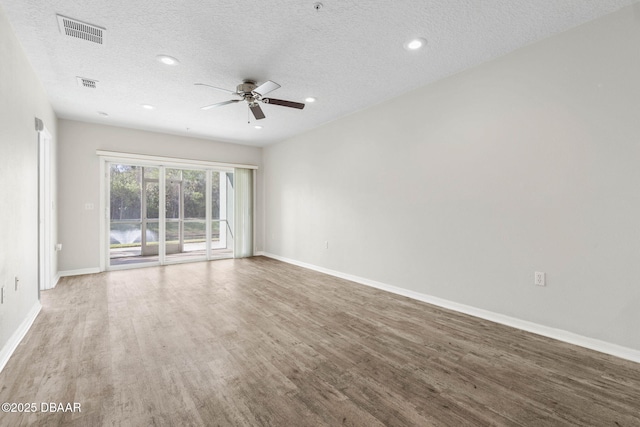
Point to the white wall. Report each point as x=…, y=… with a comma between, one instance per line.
x=22, y=98
x=79, y=178
x=464, y=188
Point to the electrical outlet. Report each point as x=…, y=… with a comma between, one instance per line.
x=539, y=279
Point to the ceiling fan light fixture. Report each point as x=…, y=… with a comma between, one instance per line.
x=253, y=95
x=167, y=60
x=415, y=44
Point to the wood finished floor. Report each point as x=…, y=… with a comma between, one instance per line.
x=256, y=342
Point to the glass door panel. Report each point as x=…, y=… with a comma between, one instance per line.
x=173, y=211
x=186, y=214
x=150, y=219
x=128, y=233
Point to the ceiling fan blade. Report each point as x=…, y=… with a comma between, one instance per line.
x=257, y=111
x=266, y=87
x=220, y=104
x=217, y=88
x=283, y=103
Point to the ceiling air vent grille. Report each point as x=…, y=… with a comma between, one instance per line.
x=89, y=83
x=80, y=30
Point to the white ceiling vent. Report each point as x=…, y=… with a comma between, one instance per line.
x=80, y=30
x=89, y=83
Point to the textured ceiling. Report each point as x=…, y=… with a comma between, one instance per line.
x=349, y=55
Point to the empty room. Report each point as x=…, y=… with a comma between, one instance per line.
x=320, y=213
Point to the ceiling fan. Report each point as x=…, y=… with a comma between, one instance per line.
x=250, y=92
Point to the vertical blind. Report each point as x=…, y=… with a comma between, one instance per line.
x=243, y=213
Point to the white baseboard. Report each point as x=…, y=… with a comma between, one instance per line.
x=546, y=331
x=18, y=335
x=78, y=272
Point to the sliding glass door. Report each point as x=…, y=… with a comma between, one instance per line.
x=193, y=223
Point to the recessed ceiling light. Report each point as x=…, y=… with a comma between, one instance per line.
x=310, y=99
x=167, y=60
x=415, y=44
x=148, y=107
x=258, y=127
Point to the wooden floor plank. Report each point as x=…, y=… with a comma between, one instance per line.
x=256, y=342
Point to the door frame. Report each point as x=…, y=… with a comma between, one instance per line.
x=45, y=212
x=106, y=157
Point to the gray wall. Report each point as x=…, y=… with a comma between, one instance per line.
x=22, y=98
x=79, y=178
x=463, y=188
